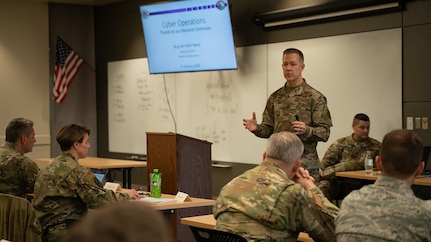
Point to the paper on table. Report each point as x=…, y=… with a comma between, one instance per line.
x=156, y=200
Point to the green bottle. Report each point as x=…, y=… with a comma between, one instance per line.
x=156, y=184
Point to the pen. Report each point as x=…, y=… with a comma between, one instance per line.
x=296, y=117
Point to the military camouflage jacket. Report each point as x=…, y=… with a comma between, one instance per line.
x=311, y=107
x=264, y=205
x=17, y=172
x=64, y=190
x=388, y=210
x=347, y=154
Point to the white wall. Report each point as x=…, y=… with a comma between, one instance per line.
x=24, y=69
x=356, y=72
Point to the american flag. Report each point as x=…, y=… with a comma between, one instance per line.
x=67, y=65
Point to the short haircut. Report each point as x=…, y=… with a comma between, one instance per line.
x=71, y=133
x=284, y=146
x=125, y=221
x=294, y=51
x=401, y=153
x=18, y=127
x=361, y=116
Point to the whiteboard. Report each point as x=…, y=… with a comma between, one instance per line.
x=213, y=105
x=137, y=103
x=357, y=73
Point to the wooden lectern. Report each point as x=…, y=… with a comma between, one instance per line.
x=185, y=164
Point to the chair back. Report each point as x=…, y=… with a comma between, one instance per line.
x=212, y=235
x=18, y=221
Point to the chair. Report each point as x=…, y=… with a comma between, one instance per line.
x=18, y=221
x=212, y=235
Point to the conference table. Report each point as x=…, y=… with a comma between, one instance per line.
x=360, y=174
x=209, y=222
x=169, y=209
x=107, y=163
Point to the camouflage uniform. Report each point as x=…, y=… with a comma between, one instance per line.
x=17, y=172
x=385, y=211
x=345, y=154
x=311, y=107
x=63, y=192
x=262, y=204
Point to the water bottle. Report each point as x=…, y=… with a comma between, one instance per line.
x=156, y=184
x=368, y=164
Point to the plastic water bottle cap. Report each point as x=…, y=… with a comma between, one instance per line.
x=156, y=170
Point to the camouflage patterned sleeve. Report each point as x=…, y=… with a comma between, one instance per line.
x=305, y=102
x=352, y=165
x=266, y=128
x=332, y=156
x=328, y=205
x=122, y=196
x=317, y=216
x=333, y=160
x=345, y=164
x=321, y=121
x=92, y=193
x=29, y=173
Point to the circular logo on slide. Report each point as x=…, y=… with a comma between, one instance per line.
x=221, y=5
x=145, y=14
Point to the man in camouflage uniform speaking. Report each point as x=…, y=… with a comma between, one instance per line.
x=277, y=199
x=18, y=172
x=388, y=210
x=347, y=154
x=296, y=107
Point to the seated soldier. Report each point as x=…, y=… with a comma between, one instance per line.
x=347, y=154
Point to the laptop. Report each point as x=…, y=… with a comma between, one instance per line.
x=425, y=158
x=100, y=174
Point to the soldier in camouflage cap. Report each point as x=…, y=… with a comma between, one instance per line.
x=18, y=172
x=296, y=107
x=347, y=154
x=388, y=210
x=64, y=190
x=277, y=199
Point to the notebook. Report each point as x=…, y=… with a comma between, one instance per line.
x=100, y=174
x=425, y=158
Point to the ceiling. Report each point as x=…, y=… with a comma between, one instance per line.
x=79, y=2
